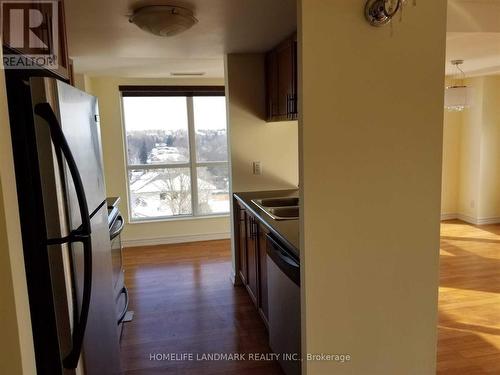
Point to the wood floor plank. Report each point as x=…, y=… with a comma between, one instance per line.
x=469, y=299
x=185, y=303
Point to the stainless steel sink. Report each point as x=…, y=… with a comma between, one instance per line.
x=279, y=208
x=278, y=202
x=285, y=212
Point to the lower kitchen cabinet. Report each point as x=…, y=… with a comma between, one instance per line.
x=251, y=263
x=240, y=220
x=262, y=271
x=252, y=252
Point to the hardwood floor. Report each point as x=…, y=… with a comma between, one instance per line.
x=184, y=302
x=469, y=299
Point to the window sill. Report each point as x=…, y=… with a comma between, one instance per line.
x=179, y=218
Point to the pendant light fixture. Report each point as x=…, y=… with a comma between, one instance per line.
x=457, y=97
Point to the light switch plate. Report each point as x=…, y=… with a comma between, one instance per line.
x=257, y=168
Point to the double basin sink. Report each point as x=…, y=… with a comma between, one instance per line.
x=279, y=208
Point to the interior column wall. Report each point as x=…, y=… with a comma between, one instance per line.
x=450, y=189
x=371, y=156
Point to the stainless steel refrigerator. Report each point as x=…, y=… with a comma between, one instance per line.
x=62, y=200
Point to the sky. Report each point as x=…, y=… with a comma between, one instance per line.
x=170, y=113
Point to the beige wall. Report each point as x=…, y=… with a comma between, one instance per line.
x=370, y=186
x=16, y=341
x=275, y=144
x=450, y=188
x=489, y=190
x=251, y=138
x=470, y=153
x=471, y=156
x=106, y=89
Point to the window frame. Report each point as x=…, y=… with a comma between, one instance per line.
x=193, y=164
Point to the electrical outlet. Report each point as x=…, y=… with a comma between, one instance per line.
x=473, y=204
x=257, y=168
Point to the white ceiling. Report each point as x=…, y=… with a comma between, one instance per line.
x=103, y=42
x=474, y=36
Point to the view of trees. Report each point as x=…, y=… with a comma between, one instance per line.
x=167, y=191
x=158, y=146
x=141, y=144
x=211, y=145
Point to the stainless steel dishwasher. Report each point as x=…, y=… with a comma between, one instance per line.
x=283, y=272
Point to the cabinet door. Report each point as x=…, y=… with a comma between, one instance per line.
x=252, y=243
x=285, y=78
x=294, y=100
x=272, y=85
x=242, y=243
x=64, y=70
x=263, y=299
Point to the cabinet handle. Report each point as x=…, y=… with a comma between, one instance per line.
x=250, y=222
x=291, y=106
x=253, y=228
x=287, y=105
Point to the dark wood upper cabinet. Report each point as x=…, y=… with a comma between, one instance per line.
x=65, y=69
x=281, y=81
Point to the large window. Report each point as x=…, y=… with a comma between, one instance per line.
x=177, y=160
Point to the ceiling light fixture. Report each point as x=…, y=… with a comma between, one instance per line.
x=163, y=20
x=457, y=97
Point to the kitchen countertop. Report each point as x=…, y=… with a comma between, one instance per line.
x=287, y=231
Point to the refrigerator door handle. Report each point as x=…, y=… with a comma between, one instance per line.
x=81, y=234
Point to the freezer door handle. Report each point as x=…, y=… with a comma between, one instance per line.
x=117, y=228
x=81, y=234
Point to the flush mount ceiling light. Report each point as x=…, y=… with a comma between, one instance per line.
x=457, y=97
x=381, y=12
x=163, y=20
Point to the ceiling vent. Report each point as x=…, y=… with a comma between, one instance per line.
x=187, y=74
x=163, y=20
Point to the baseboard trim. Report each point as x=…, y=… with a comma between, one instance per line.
x=488, y=220
x=167, y=240
x=470, y=219
x=449, y=216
